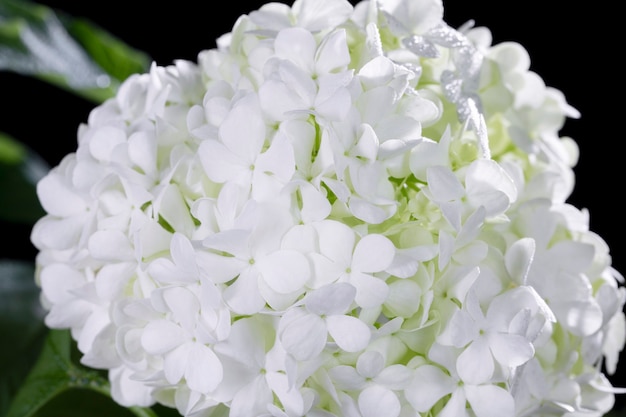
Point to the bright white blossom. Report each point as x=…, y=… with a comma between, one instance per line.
x=338, y=211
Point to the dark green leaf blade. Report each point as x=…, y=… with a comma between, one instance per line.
x=36, y=41
x=49, y=377
x=111, y=54
x=20, y=169
x=80, y=402
x=21, y=326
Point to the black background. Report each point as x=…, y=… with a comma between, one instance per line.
x=574, y=46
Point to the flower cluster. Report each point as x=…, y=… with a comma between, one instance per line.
x=338, y=211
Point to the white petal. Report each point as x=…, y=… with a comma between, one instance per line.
x=572, y=256
x=456, y=405
x=204, y=370
x=321, y=14
x=518, y=259
x=243, y=295
x=315, y=205
x=374, y=104
x=472, y=253
x=233, y=242
x=334, y=107
x=365, y=210
x=110, y=245
x=58, y=233
x=272, y=15
x=446, y=249
x=161, y=336
x=426, y=154
x=175, y=363
x=452, y=212
x=251, y=400
x=301, y=89
x=127, y=391
x=112, y=278
x=483, y=177
x=443, y=184
x=377, y=401
x=429, y=385
x=58, y=198
x=581, y=317
x=404, y=298
x=331, y=299
x=183, y=252
x=58, y=281
x=373, y=253
x=247, y=340
x=297, y=45
x=490, y=401
x=171, y=205
x=336, y=241
x=69, y=314
x=278, y=160
x=153, y=239
x=219, y=163
x=475, y=364
x=95, y=323
x=142, y=150
x=223, y=268
x=104, y=140
x=243, y=130
x=278, y=99
x=284, y=271
x=395, y=377
x=184, y=306
x=304, y=336
x=370, y=291
x=511, y=350
x=325, y=271
x=350, y=333
x=460, y=330
x=370, y=364
x=345, y=377
x=291, y=399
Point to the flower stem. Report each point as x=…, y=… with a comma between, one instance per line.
x=142, y=412
x=85, y=378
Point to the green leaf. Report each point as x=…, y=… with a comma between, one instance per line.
x=70, y=53
x=111, y=54
x=82, y=402
x=20, y=170
x=58, y=386
x=48, y=377
x=617, y=412
x=53, y=374
x=21, y=326
x=11, y=151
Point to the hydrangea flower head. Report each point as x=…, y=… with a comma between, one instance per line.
x=337, y=211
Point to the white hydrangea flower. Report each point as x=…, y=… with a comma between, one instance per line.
x=338, y=211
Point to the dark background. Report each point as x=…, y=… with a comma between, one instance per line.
x=575, y=49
